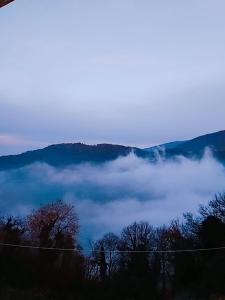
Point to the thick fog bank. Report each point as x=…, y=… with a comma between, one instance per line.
x=112, y=195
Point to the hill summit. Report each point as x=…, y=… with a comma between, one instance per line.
x=62, y=155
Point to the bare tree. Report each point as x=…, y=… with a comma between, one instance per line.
x=54, y=225
x=107, y=247
x=138, y=236
x=11, y=230
x=215, y=208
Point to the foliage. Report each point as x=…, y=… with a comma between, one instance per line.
x=138, y=264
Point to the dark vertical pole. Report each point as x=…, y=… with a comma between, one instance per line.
x=102, y=264
x=163, y=276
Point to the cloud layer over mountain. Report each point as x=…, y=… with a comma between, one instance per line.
x=110, y=196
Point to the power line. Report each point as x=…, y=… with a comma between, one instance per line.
x=113, y=251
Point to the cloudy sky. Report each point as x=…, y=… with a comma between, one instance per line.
x=122, y=71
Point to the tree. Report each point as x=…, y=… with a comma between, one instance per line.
x=54, y=225
x=162, y=260
x=11, y=258
x=11, y=230
x=212, y=232
x=108, y=246
x=185, y=266
x=136, y=260
x=216, y=207
x=136, y=240
x=138, y=236
x=212, y=235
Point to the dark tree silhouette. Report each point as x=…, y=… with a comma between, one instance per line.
x=215, y=208
x=136, y=265
x=54, y=225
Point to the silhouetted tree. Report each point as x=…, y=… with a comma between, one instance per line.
x=212, y=232
x=109, y=243
x=135, y=264
x=163, y=273
x=54, y=225
x=11, y=258
x=212, y=235
x=216, y=207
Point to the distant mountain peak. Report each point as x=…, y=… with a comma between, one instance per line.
x=65, y=154
x=62, y=155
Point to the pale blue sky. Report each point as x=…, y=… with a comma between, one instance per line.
x=129, y=72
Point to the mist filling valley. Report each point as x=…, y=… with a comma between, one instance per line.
x=109, y=196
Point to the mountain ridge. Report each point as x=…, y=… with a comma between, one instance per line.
x=64, y=154
x=61, y=155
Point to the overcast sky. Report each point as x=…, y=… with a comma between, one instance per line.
x=120, y=71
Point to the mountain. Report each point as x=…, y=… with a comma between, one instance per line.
x=62, y=155
x=195, y=148
x=166, y=146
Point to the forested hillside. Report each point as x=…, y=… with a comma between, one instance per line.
x=64, y=155
x=42, y=259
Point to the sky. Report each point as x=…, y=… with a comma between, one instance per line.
x=129, y=72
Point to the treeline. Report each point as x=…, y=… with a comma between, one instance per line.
x=143, y=262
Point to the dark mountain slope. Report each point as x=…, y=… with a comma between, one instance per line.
x=166, y=146
x=196, y=147
x=62, y=155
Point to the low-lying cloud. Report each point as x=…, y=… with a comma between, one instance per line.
x=110, y=196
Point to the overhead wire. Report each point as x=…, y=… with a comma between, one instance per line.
x=112, y=251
